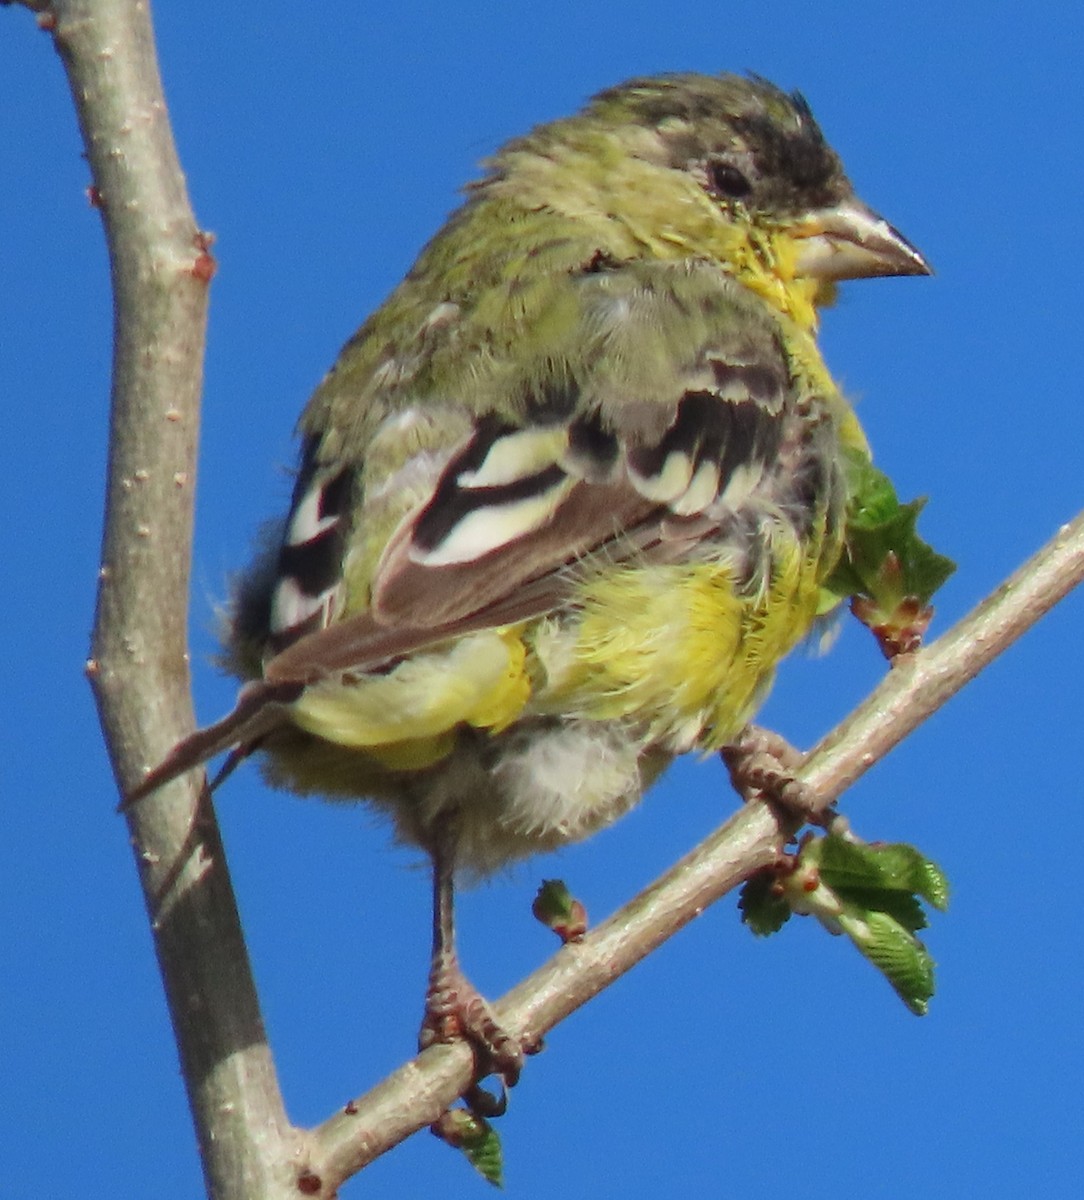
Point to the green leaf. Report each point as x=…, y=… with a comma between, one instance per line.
x=762, y=905
x=869, y=892
x=485, y=1156
x=930, y=882
x=559, y=910
x=476, y=1138
x=903, y=907
x=887, y=571
x=845, y=864
x=902, y=959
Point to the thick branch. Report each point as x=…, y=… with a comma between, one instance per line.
x=419, y=1091
x=160, y=270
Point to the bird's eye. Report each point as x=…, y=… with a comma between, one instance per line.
x=725, y=179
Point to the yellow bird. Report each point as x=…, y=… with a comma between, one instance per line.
x=568, y=496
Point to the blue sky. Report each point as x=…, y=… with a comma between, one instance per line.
x=323, y=146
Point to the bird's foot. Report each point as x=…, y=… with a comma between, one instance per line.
x=455, y=1010
x=762, y=766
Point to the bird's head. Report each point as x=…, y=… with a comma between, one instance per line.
x=725, y=167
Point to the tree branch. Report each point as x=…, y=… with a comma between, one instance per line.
x=920, y=683
x=912, y=691
x=139, y=669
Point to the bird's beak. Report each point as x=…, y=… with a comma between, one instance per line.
x=850, y=241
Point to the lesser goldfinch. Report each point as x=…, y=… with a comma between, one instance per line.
x=569, y=495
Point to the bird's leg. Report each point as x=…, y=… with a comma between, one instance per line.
x=454, y=1008
x=762, y=765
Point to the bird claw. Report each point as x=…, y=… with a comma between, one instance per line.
x=456, y=1011
x=762, y=765
x=483, y=1103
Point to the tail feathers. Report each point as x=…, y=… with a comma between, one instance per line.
x=257, y=712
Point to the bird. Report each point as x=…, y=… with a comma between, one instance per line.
x=567, y=497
